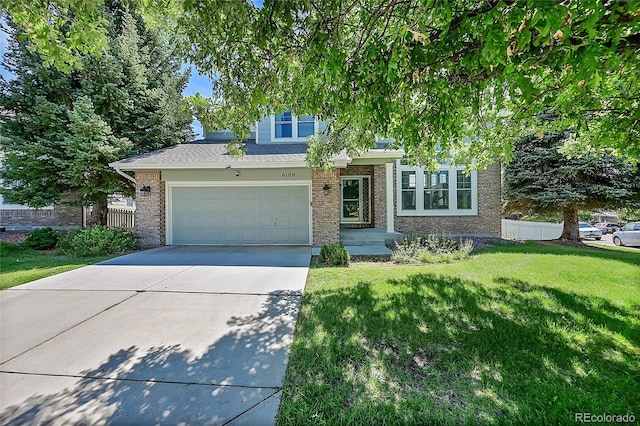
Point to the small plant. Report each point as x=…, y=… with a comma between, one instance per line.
x=98, y=241
x=41, y=239
x=334, y=255
x=420, y=248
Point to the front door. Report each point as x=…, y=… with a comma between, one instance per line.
x=356, y=199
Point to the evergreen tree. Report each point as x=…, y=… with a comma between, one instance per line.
x=542, y=180
x=61, y=130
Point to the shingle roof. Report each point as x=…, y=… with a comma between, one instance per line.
x=203, y=153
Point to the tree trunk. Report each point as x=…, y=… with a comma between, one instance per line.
x=99, y=213
x=570, y=230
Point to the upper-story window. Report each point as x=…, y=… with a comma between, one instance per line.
x=284, y=125
x=447, y=192
x=289, y=127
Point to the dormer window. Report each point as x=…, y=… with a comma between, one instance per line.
x=288, y=127
x=284, y=125
x=306, y=126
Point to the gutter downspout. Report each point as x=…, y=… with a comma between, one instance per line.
x=123, y=174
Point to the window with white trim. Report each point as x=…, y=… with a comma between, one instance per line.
x=289, y=127
x=463, y=190
x=436, y=190
x=408, y=190
x=447, y=192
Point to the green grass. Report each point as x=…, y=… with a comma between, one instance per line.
x=520, y=334
x=20, y=265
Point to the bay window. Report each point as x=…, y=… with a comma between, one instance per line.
x=446, y=192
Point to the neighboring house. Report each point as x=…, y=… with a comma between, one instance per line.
x=20, y=217
x=197, y=193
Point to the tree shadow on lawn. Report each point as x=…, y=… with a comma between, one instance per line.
x=168, y=384
x=436, y=349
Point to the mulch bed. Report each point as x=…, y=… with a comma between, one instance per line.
x=14, y=237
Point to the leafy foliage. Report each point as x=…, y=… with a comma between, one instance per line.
x=466, y=77
x=41, y=239
x=541, y=179
x=629, y=213
x=429, y=248
x=63, y=129
x=98, y=241
x=61, y=42
x=334, y=255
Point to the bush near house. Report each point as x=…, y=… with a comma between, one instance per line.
x=98, y=241
x=428, y=248
x=334, y=255
x=41, y=239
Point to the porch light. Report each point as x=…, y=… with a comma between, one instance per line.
x=325, y=189
x=145, y=190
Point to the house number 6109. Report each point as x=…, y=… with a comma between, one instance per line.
x=288, y=174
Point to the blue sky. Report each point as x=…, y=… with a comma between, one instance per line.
x=197, y=83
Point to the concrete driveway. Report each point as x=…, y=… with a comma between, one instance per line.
x=190, y=335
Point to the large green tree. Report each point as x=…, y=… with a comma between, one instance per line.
x=60, y=130
x=425, y=72
x=541, y=179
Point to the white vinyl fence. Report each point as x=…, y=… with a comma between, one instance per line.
x=521, y=230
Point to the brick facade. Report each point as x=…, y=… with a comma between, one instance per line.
x=150, y=209
x=150, y=212
x=379, y=197
x=325, y=208
x=486, y=223
x=59, y=216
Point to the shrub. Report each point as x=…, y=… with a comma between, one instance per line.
x=334, y=255
x=422, y=248
x=41, y=239
x=98, y=241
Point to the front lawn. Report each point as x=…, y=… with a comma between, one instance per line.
x=20, y=265
x=520, y=334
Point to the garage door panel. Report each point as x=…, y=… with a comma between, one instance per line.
x=240, y=215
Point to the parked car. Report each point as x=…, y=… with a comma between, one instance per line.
x=629, y=235
x=588, y=231
x=607, y=228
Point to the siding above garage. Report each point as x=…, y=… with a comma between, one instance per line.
x=238, y=175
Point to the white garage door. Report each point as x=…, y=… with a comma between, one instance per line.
x=240, y=215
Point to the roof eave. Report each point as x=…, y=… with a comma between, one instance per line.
x=340, y=163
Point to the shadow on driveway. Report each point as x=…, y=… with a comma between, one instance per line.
x=273, y=256
x=166, y=384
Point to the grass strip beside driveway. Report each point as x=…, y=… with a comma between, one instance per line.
x=527, y=334
x=20, y=265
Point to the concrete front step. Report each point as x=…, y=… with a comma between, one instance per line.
x=373, y=234
x=361, y=242
x=360, y=251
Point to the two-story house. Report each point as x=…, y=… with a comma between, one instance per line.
x=197, y=193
